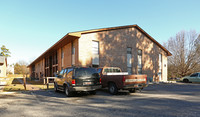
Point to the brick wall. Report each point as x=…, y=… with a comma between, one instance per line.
x=113, y=46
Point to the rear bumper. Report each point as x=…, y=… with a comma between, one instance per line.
x=136, y=86
x=85, y=88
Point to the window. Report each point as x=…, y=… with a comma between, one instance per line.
x=129, y=60
x=95, y=53
x=62, y=57
x=194, y=75
x=73, y=54
x=160, y=62
x=139, y=66
x=62, y=53
x=95, y=47
x=73, y=49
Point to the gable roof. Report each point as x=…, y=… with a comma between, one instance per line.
x=122, y=27
x=73, y=35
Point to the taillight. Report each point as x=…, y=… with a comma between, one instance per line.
x=100, y=80
x=146, y=79
x=73, y=82
x=123, y=80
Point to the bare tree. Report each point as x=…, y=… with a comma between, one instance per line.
x=185, y=49
x=22, y=65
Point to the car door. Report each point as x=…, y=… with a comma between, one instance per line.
x=198, y=79
x=62, y=81
x=59, y=78
x=193, y=77
x=69, y=75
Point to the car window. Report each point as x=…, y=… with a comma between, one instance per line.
x=65, y=72
x=69, y=70
x=86, y=72
x=61, y=73
x=111, y=70
x=194, y=75
x=70, y=74
x=99, y=70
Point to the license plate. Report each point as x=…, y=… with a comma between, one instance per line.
x=87, y=83
x=136, y=85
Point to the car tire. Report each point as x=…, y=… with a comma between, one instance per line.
x=68, y=93
x=186, y=80
x=55, y=87
x=93, y=92
x=132, y=90
x=113, y=89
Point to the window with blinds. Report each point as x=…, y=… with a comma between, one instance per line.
x=95, y=53
x=129, y=60
x=139, y=66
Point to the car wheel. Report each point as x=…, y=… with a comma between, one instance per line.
x=132, y=90
x=68, y=93
x=93, y=92
x=186, y=80
x=113, y=89
x=55, y=87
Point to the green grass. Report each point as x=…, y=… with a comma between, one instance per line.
x=13, y=84
x=16, y=87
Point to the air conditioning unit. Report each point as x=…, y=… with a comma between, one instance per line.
x=95, y=59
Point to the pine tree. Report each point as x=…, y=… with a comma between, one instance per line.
x=4, y=51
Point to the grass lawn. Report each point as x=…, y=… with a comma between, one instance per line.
x=13, y=84
x=16, y=87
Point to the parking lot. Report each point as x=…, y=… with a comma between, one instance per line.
x=157, y=100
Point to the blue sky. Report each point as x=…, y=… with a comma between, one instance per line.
x=29, y=27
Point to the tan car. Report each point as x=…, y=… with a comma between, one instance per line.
x=195, y=77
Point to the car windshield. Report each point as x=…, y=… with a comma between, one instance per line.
x=111, y=70
x=86, y=72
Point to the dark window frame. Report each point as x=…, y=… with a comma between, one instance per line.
x=139, y=67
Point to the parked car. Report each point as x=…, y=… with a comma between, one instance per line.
x=77, y=79
x=115, y=79
x=195, y=77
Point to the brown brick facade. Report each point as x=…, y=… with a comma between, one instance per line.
x=113, y=46
x=113, y=51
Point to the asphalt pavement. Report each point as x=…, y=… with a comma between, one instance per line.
x=156, y=100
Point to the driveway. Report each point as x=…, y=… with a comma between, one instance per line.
x=163, y=100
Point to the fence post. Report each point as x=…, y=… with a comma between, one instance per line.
x=24, y=82
x=47, y=83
